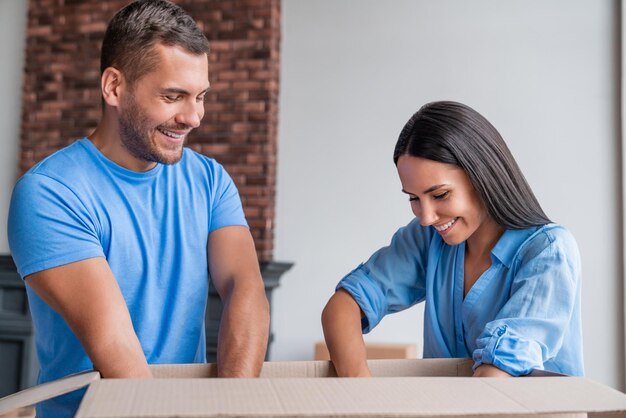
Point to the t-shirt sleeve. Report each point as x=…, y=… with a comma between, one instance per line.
x=394, y=277
x=530, y=328
x=226, y=209
x=49, y=226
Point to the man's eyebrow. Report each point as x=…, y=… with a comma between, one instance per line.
x=430, y=189
x=174, y=90
x=177, y=90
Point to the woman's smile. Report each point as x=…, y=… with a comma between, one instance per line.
x=445, y=228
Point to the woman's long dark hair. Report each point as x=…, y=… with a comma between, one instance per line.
x=454, y=133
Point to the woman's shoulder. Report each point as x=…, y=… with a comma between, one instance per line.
x=551, y=239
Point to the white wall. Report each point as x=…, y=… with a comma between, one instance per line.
x=545, y=73
x=353, y=71
x=12, y=33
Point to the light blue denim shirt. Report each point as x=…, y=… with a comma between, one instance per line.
x=523, y=313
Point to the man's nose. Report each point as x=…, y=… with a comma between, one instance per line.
x=190, y=115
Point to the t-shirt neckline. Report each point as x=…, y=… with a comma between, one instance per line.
x=118, y=169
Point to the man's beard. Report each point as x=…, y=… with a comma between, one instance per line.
x=135, y=129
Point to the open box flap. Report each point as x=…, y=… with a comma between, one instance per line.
x=335, y=397
x=324, y=368
x=46, y=391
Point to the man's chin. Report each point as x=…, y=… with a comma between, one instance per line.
x=170, y=158
x=170, y=153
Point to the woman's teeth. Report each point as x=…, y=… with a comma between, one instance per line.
x=446, y=225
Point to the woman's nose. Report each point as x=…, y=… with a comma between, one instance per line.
x=427, y=215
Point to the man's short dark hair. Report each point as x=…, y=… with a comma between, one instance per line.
x=133, y=32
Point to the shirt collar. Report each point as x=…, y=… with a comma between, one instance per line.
x=509, y=243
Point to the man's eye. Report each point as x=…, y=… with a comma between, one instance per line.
x=201, y=99
x=441, y=196
x=172, y=98
x=414, y=199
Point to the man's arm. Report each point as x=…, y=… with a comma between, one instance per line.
x=244, y=329
x=87, y=296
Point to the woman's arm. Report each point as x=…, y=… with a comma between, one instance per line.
x=488, y=370
x=341, y=320
x=540, y=321
x=392, y=279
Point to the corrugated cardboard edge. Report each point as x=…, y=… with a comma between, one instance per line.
x=48, y=390
x=290, y=369
x=271, y=369
x=324, y=368
x=335, y=397
x=374, y=350
x=575, y=392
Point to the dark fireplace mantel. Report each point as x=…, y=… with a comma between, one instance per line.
x=18, y=362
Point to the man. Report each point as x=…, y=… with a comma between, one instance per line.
x=116, y=235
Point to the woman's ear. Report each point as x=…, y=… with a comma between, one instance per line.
x=112, y=84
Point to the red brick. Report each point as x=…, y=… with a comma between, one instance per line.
x=61, y=98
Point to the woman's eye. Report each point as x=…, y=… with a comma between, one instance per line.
x=441, y=196
x=414, y=199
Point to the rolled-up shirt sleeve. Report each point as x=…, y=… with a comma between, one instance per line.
x=393, y=278
x=530, y=328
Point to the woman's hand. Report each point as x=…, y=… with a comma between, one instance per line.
x=488, y=370
x=341, y=320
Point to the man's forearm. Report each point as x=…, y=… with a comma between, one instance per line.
x=244, y=331
x=119, y=358
x=96, y=312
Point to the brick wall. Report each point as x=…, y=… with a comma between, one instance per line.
x=61, y=100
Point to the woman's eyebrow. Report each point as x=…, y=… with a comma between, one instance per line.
x=435, y=187
x=430, y=189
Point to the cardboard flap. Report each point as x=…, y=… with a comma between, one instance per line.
x=175, y=371
x=313, y=397
x=421, y=367
x=325, y=368
x=335, y=397
x=270, y=370
x=552, y=394
x=48, y=390
x=285, y=369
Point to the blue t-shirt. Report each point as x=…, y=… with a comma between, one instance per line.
x=523, y=313
x=152, y=227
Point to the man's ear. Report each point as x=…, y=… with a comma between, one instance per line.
x=112, y=84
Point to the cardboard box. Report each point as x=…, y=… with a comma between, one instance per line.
x=373, y=351
x=401, y=388
x=28, y=412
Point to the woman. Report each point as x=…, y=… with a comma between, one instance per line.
x=501, y=282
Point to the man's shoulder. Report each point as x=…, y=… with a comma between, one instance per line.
x=64, y=165
x=197, y=164
x=195, y=159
